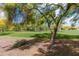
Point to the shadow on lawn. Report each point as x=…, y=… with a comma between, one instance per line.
x=4, y=33
x=65, y=49
x=44, y=35
x=58, y=36
x=62, y=47
x=26, y=44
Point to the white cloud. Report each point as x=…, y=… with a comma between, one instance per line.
x=2, y=14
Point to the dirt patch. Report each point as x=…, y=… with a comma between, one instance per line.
x=7, y=42
x=61, y=48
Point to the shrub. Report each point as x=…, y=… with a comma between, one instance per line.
x=66, y=27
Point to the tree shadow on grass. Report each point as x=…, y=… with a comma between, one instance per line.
x=27, y=44
x=64, y=36
x=4, y=33
x=58, y=36
x=44, y=35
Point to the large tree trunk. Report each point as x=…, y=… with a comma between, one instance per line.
x=53, y=35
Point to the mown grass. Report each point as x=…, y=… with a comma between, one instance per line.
x=64, y=34
x=69, y=32
x=26, y=34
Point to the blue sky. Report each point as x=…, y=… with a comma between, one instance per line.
x=20, y=16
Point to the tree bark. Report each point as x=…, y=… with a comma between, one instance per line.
x=53, y=35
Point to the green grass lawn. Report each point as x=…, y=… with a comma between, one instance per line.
x=70, y=32
x=64, y=34
x=26, y=34
x=22, y=34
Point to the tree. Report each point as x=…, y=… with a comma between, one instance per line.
x=50, y=14
x=56, y=19
x=32, y=16
x=10, y=13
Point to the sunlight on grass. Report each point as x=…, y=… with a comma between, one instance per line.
x=64, y=34
x=26, y=34
x=69, y=32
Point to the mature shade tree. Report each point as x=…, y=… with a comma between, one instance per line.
x=50, y=14
x=10, y=8
x=32, y=21
x=54, y=14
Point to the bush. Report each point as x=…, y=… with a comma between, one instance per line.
x=66, y=27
